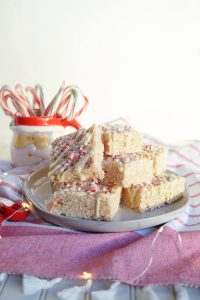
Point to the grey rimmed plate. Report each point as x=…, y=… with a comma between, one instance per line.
x=38, y=191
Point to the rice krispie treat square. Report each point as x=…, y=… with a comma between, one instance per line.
x=163, y=189
x=88, y=200
x=158, y=155
x=77, y=156
x=125, y=170
x=120, y=139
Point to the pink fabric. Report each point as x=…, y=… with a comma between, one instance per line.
x=121, y=256
x=166, y=257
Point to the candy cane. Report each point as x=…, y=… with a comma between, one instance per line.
x=37, y=95
x=36, y=100
x=4, y=103
x=51, y=108
x=6, y=98
x=63, y=106
x=5, y=108
x=19, y=102
x=71, y=94
x=86, y=101
x=63, y=103
x=39, y=92
x=22, y=90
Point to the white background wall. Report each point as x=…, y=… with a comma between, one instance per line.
x=137, y=59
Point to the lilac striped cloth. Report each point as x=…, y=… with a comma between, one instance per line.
x=164, y=255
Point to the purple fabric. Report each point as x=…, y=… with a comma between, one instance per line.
x=121, y=256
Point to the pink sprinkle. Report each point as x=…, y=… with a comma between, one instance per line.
x=117, y=156
x=148, y=147
x=157, y=180
x=72, y=156
x=71, y=143
x=140, y=186
x=83, y=153
x=127, y=126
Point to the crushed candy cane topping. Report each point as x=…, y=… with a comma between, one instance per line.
x=157, y=180
x=116, y=128
x=91, y=186
x=68, y=150
x=148, y=147
x=121, y=157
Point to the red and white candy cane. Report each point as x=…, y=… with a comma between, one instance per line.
x=37, y=97
x=37, y=103
x=40, y=94
x=20, y=104
x=86, y=101
x=22, y=90
x=63, y=103
x=66, y=107
x=51, y=108
x=67, y=102
x=4, y=98
x=4, y=106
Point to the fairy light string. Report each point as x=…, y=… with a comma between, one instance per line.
x=153, y=243
x=24, y=203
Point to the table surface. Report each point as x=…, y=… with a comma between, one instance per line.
x=11, y=287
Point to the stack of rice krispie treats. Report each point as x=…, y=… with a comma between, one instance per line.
x=95, y=170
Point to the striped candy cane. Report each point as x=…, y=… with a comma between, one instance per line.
x=51, y=108
x=63, y=103
x=19, y=102
x=66, y=107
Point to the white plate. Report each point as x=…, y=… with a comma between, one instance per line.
x=38, y=191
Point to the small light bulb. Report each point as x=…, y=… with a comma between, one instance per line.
x=25, y=205
x=86, y=275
